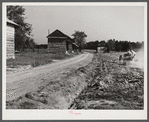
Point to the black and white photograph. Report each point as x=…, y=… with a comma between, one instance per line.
x=74, y=60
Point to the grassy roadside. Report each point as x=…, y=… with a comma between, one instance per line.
x=35, y=59
x=113, y=86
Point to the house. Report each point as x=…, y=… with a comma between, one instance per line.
x=101, y=46
x=59, y=42
x=10, y=34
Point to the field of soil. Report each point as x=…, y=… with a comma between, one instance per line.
x=114, y=85
x=86, y=81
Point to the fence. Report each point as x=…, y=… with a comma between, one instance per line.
x=36, y=50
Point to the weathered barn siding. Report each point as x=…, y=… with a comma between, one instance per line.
x=56, y=47
x=70, y=47
x=10, y=39
x=10, y=32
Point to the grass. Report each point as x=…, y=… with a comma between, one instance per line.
x=34, y=59
x=89, y=50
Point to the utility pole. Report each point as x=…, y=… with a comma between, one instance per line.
x=48, y=31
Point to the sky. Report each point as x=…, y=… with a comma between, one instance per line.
x=98, y=22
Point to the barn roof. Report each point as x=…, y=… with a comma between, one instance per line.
x=58, y=34
x=11, y=22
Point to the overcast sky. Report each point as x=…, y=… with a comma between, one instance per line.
x=99, y=23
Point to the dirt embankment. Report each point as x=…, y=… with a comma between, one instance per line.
x=60, y=92
x=113, y=86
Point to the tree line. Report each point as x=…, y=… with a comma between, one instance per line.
x=24, y=38
x=114, y=45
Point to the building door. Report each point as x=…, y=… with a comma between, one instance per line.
x=67, y=45
x=73, y=48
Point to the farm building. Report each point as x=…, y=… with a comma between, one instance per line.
x=59, y=42
x=10, y=34
x=101, y=46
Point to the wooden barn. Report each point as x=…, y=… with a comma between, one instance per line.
x=59, y=42
x=10, y=34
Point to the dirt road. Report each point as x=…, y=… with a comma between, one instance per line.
x=23, y=82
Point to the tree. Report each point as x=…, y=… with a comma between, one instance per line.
x=16, y=14
x=102, y=43
x=32, y=44
x=79, y=38
x=27, y=44
x=110, y=45
x=125, y=46
x=129, y=46
x=118, y=45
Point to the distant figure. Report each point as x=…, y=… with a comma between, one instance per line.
x=132, y=54
x=120, y=57
x=128, y=56
x=129, y=53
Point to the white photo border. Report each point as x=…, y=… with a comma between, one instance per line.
x=45, y=114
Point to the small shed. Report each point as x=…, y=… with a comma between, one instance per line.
x=10, y=36
x=101, y=47
x=60, y=42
